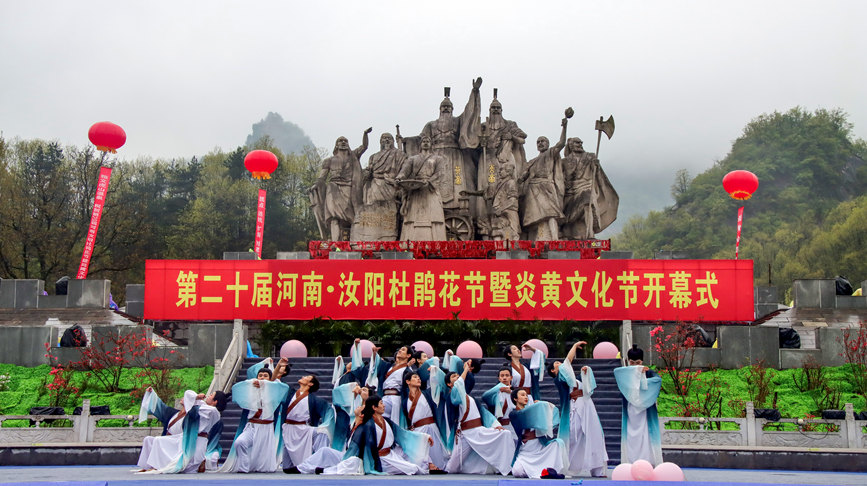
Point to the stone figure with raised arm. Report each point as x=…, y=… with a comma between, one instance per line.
x=503, y=143
x=542, y=181
x=376, y=219
x=422, y=211
x=336, y=195
x=590, y=201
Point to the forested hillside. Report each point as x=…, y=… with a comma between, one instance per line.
x=195, y=208
x=808, y=218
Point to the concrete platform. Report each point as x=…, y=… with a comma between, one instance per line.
x=121, y=476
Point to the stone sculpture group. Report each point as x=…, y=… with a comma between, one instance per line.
x=461, y=179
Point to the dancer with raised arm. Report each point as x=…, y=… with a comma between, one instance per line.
x=580, y=427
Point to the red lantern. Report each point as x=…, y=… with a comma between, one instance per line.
x=740, y=184
x=107, y=136
x=261, y=163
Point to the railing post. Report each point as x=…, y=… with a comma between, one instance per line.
x=750, y=417
x=82, y=423
x=238, y=331
x=852, y=431
x=625, y=339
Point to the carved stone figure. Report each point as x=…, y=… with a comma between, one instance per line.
x=503, y=195
x=376, y=220
x=422, y=210
x=503, y=144
x=590, y=202
x=337, y=192
x=543, y=190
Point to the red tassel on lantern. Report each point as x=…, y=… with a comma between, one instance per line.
x=107, y=136
x=740, y=184
x=261, y=163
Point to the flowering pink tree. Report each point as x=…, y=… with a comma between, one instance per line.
x=855, y=354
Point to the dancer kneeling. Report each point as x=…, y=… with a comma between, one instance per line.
x=257, y=443
x=534, y=424
x=379, y=446
x=191, y=436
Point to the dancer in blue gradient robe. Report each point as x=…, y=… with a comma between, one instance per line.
x=580, y=427
x=379, y=446
x=640, y=436
x=191, y=436
x=256, y=447
x=537, y=449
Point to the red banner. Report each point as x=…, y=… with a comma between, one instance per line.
x=260, y=224
x=98, y=205
x=740, y=224
x=710, y=290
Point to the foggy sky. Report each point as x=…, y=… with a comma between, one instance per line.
x=183, y=77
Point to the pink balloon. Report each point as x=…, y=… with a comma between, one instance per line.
x=541, y=346
x=642, y=470
x=623, y=472
x=366, y=348
x=605, y=350
x=293, y=349
x=468, y=350
x=668, y=471
x=425, y=347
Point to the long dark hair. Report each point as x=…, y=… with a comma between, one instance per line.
x=371, y=402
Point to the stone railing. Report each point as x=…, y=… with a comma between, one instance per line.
x=226, y=369
x=755, y=433
x=83, y=430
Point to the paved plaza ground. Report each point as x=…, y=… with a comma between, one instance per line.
x=121, y=476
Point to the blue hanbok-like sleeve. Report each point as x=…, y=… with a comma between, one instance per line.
x=539, y=416
x=151, y=404
x=414, y=444
x=639, y=390
x=493, y=401
x=254, y=370
x=188, y=443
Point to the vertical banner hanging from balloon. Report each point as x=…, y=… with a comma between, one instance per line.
x=260, y=224
x=98, y=205
x=740, y=224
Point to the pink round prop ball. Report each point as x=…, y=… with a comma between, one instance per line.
x=605, y=350
x=668, y=471
x=469, y=350
x=623, y=472
x=541, y=346
x=425, y=347
x=642, y=470
x=366, y=348
x=293, y=349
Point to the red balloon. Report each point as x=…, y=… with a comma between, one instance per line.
x=261, y=163
x=740, y=184
x=107, y=136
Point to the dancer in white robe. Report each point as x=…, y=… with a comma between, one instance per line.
x=349, y=398
x=388, y=378
x=580, y=427
x=308, y=422
x=256, y=447
x=481, y=446
x=640, y=436
x=190, y=440
x=527, y=378
x=498, y=399
x=421, y=415
x=534, y=423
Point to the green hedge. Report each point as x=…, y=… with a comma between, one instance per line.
x=23, y=389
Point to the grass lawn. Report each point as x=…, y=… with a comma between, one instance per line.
x=26, y=389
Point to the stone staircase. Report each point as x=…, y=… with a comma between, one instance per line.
x=606, y=397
